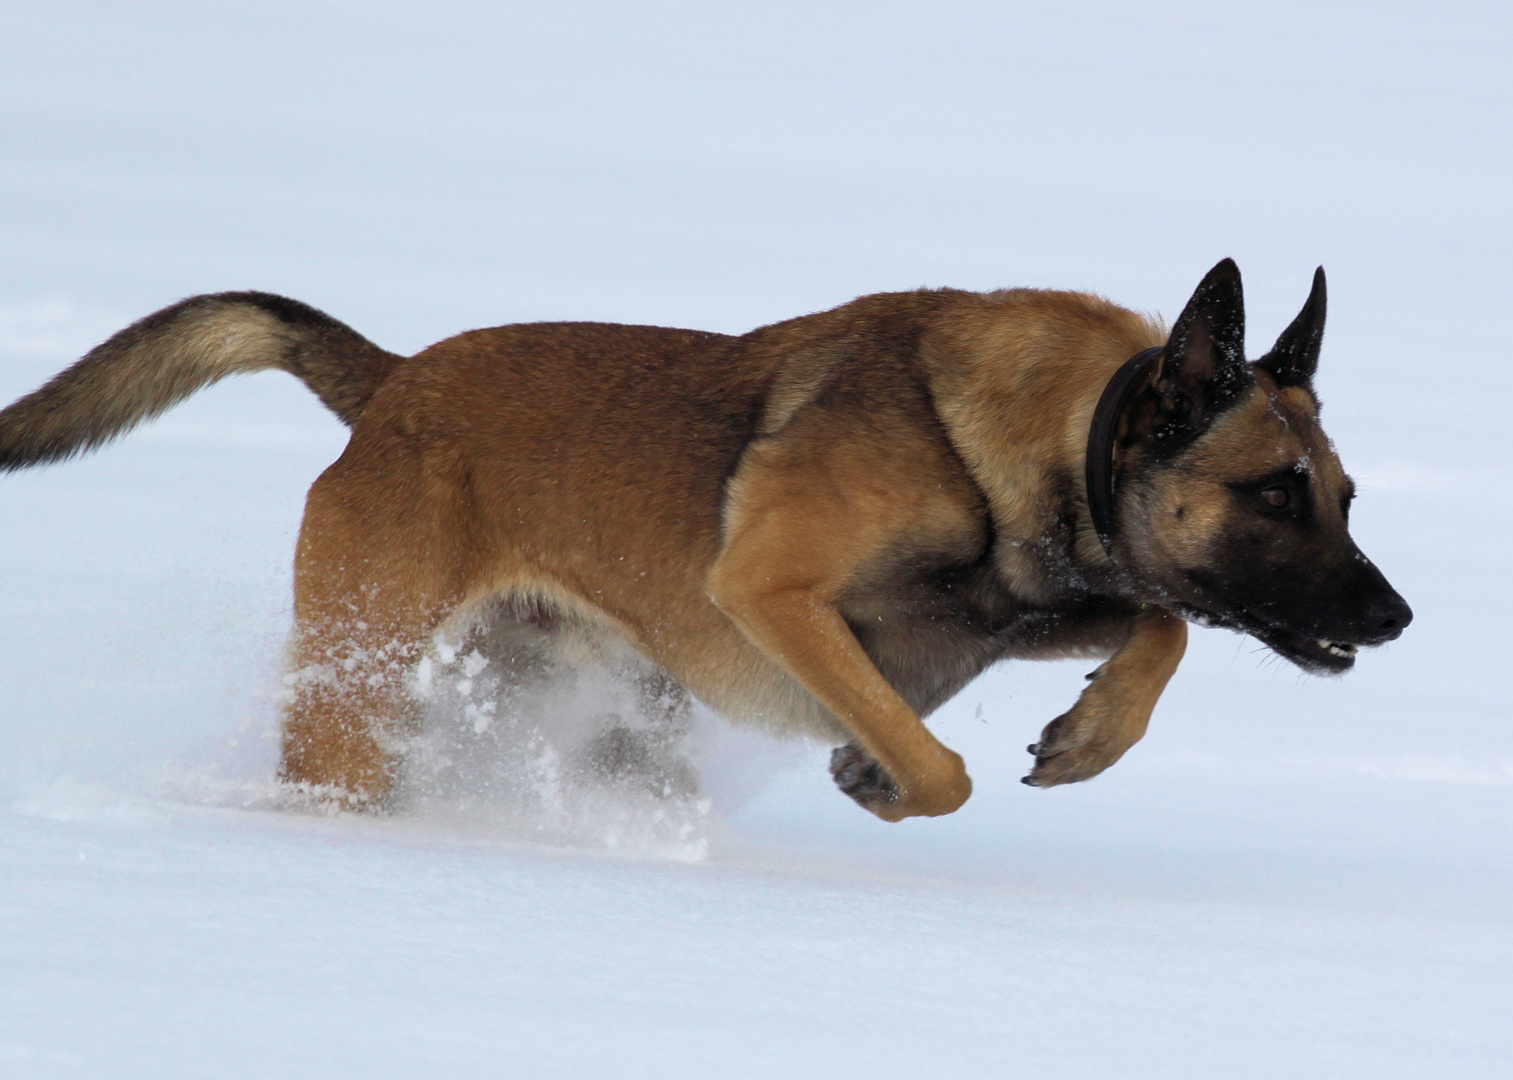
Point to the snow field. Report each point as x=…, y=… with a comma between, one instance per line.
x=1288, y=877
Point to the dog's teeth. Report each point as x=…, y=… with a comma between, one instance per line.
x=1335, y=649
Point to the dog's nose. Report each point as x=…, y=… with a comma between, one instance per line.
x=1389, y=613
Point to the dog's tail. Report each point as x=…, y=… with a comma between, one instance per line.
x=158, y=362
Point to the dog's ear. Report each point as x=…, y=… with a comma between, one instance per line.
x=1295, y=357
x=1203, y=366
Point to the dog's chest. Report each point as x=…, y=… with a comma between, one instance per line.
x=931, y=626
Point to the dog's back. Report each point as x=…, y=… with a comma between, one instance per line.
x=620, y=436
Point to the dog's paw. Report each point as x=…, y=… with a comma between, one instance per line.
x=940, y=790
x=1073, y=747
x=861, y=778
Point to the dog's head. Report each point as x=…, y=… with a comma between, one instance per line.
x=1233, y=507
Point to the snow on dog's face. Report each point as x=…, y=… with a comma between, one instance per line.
x=1235, y=505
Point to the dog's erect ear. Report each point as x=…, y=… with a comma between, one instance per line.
x=1295, y=357
x=1203, y=366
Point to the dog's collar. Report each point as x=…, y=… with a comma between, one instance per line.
x=1102, y=436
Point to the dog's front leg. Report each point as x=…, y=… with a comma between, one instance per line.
x=802, y=630
x=794, y=542
x=1112, y=714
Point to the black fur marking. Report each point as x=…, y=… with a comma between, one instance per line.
x=1294, y=359
x=1203, y=371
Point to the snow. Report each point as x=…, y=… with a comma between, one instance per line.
x=1288, y=877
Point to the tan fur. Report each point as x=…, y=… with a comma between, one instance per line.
x=827, y=526
x=1016, y=382
x=1114, y=711
x=1270, y=427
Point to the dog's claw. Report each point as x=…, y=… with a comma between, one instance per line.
x=1038, y=774
x=860, y=777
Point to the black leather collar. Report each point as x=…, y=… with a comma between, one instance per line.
x=1101, y=437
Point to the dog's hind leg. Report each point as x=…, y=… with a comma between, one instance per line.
x=1113, y=712
x=649, y=751
x=376, y=573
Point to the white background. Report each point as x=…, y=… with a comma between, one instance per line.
x=1289, y=877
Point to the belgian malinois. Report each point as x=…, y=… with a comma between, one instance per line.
x=829, y=525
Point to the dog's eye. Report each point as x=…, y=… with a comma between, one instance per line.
x=1275, y=497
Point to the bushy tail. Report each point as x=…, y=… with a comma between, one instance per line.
x=158, y=362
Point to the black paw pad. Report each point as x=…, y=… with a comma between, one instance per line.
x=860, y=777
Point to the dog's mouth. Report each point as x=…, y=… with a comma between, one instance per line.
x=1314, y=654
x=1318, y=655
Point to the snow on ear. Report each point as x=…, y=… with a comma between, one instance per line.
x=1295, y=357
x=1203, y=367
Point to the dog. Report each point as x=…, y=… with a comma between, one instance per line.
x=826, y=526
